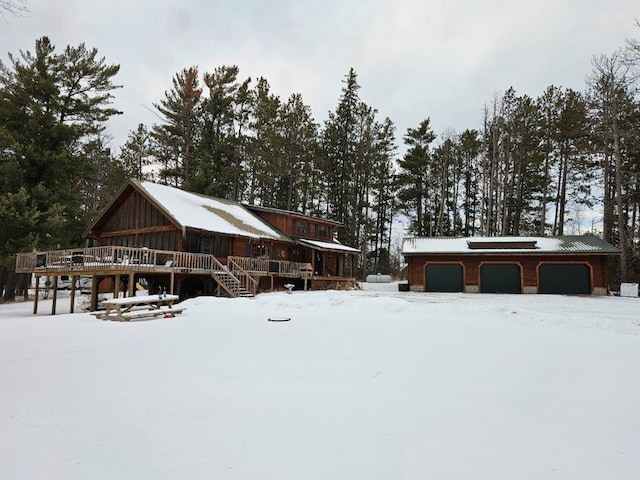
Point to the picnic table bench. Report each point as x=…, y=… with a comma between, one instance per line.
x=130, y=308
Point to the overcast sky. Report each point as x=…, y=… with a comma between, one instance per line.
x=441, y=59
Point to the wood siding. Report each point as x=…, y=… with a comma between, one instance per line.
x=136, y=222
x=298, y=226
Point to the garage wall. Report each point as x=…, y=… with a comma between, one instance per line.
x=529, y=263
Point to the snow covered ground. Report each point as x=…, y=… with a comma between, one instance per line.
x=372, y=384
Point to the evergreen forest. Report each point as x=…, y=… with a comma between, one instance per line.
x=536, y=165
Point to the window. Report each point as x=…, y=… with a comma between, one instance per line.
x=300, y=227
x=322, y=231
x=258, y=250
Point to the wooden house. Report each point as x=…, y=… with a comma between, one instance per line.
x=554, y=265
x=167, y=239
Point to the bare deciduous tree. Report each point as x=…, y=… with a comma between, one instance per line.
x=14, y=7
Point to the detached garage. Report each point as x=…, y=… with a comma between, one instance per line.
x=571, y=265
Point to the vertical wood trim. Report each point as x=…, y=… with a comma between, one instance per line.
x=138, y=206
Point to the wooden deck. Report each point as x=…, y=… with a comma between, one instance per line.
x=103, y=261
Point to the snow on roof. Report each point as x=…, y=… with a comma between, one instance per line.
x=327, y=245
x=210, y=214
x=568, y=244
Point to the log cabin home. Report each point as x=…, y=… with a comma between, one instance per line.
x=573, y=265
x=164, y=239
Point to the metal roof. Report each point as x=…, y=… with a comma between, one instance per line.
x=507, y=245
x=210, y=214
x=317, y=245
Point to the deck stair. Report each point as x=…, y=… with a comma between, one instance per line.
x=233, y=280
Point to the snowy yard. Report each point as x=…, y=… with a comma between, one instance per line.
x=371, y=384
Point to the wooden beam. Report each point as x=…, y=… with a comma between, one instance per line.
x=163, y=228
x=116, y=286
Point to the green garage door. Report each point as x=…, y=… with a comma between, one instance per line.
x=444, y=277
x=500, y=278
x=564, y=278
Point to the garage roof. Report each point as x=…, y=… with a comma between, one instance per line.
x=509, y=245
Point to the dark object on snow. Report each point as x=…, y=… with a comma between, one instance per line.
x=279, y=319
x=403, y=287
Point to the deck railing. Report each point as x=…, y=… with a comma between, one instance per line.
x=112, y=258
x=92, y=259
x=265, y=266
x=98, y=258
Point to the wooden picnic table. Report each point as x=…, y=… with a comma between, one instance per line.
x=128, y=308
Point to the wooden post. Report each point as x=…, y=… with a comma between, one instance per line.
x=116, y=286
x=132, y=284
x=35, y=300
x=94, y=293
x=172, y=283
x=55, y=295
x=74, y=279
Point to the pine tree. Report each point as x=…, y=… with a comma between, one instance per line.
x=137, y=153
x=52, y=106
x=225, y=123
x=265, y=161
x=298, y=185
x=176, y=138
x=414, y=179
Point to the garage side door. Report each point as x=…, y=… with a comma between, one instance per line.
x=500, y=278
x=564, y=278
x=444, y=277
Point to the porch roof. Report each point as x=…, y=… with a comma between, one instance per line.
x=326, y=246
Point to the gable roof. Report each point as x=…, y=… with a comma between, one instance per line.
x=507, y=245
x=200, y=212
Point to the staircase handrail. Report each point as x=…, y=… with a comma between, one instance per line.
x=249, y=283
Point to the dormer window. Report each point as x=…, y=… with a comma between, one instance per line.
x=502, y=244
